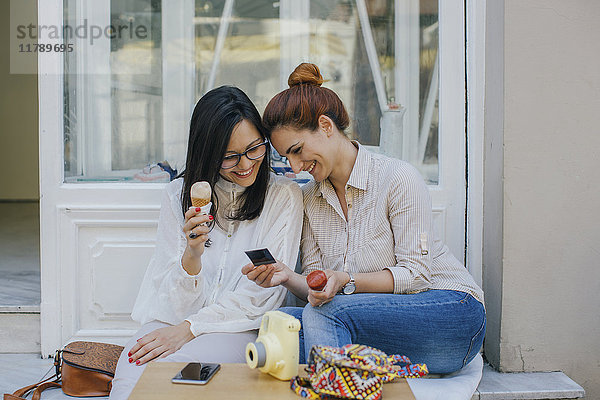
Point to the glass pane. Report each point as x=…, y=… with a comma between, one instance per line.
x=247, y=51
x=381, y=18
x=360, y=45
x=338, y=48
x=113, y=116
x=429, y=90
x=136, y=99
x=71, y=155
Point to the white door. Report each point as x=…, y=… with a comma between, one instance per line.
x=122, y=100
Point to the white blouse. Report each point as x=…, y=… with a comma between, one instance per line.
x=220, y=298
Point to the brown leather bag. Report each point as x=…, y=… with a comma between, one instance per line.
x=86, y=369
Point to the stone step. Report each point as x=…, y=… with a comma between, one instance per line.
x=496, y=385
x=20, y=329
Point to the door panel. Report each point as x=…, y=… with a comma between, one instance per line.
x=105, y=252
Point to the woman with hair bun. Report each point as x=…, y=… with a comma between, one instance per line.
x=392, y=284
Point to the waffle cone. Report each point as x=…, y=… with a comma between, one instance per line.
x=199, y=202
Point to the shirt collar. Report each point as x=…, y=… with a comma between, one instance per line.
x=228, y=187
x=360, y=171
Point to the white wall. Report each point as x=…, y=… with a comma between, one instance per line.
x=550, y=291
x=18, y=124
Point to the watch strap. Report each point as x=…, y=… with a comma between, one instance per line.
x=351, y=283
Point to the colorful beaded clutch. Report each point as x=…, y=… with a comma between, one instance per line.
x=352, y=372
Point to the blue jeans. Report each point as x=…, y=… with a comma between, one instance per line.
x=442, y=328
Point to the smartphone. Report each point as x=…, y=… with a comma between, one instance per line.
x=260, y=257
x=196, y=373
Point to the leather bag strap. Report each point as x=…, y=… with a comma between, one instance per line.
x=23, y=391
x=20, y=394
x=12, y=397
x=38, y=391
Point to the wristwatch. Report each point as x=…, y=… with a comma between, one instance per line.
x=349, y=287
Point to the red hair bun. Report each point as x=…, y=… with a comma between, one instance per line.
x=306, y=73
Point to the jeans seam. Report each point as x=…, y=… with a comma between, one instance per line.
x=465, y=299
x=473, y=339
x=433, y=303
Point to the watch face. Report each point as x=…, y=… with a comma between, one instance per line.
x=349, y=288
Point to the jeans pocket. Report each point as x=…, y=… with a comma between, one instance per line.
x=476, y=342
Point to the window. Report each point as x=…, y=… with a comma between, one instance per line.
x=128, y=97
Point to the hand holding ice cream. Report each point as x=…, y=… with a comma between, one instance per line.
x=200, y=194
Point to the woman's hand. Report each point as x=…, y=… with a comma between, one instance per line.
x=335, y=282
x=194, y=223
x=268, y=275
x=160, y=343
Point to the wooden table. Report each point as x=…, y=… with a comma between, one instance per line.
x=233, y=381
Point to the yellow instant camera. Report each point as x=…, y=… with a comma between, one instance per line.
x=276, y=349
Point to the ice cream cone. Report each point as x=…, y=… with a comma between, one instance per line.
x=199, y=202
x=200, y=194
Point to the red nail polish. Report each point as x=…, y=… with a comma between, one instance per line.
x=198, y=209
x=130, y=360
x=137, y=362
x=210, y=217
x=129, y=354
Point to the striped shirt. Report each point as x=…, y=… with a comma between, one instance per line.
x=389, y=226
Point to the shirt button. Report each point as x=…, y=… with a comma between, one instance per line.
x=350, y=205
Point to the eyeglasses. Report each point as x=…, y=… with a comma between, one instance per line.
x=253, y=153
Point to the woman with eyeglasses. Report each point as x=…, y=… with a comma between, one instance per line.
x=194, y=303
x=368, y=224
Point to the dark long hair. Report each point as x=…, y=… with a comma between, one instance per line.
x=213, y=120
